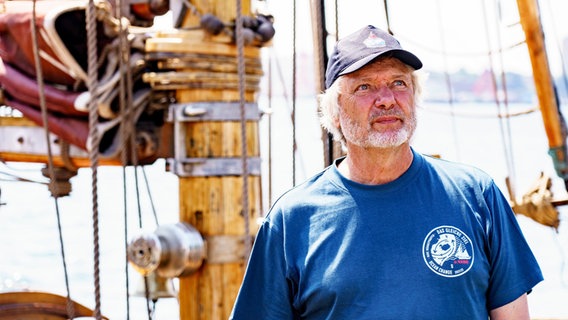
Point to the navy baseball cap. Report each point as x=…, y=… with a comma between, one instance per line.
x=361, y=47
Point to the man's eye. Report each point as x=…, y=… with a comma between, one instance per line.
x=399, y=83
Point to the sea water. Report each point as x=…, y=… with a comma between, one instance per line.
x=29, y=239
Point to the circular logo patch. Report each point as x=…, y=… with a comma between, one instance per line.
x=448, y=251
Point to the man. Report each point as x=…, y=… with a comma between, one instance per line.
x=385, y=232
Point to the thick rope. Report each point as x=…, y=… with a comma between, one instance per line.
x=94, y=141
x=241, y=73
x=69, y=306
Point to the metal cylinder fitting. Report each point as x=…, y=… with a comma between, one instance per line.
x=172, y=250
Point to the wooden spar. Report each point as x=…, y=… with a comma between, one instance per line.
x=213, y=203
x=530, y=20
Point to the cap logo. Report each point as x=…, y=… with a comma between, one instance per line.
x=374, y=41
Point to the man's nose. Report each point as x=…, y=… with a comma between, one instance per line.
x=384, y=97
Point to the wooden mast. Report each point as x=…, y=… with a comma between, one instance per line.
x=553, y=123
x=331, y=148
x=212, y=202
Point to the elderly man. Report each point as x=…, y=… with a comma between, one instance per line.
x=385, y=232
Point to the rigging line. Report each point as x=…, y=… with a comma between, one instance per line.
x=241, y=73
x=16, y=178
x=506, y=121
x=336, y=25
x=294, y=39
x=270, y=58
x=125, y=221
x=130, y=137
x=480, y=114
x=387, y=16
x=140, y=224
x=147, y=183
x=69, y=306
x=94, y=141
x=507, y=145
x=123, y=131
x=451, y=100
x=285, y=95
x=560, y=50
x=456, y=53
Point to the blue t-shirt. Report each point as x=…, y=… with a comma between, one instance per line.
x=439, y=242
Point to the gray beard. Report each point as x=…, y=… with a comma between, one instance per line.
x=368, y=138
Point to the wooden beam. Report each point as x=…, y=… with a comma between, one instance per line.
x=530, y=20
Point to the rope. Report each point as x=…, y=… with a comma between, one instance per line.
x=123, y=62
x=387, y=16
x=455, y=113
x=18, y=178
x=140, y=224
x=241, y=72
x=560, y=50
x=147, y=183
x=69, y=306
x=294, y=76
x=336, y=26
x=458, y=53
x=448, y=80
x=504, y=126
x=94, y=140
x=270, y=128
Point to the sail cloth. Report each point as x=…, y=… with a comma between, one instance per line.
x=61, y=38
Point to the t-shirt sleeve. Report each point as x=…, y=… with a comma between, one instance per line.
x=266, y=290
x=514, y=269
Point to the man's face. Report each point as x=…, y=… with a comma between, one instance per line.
x=377, y=105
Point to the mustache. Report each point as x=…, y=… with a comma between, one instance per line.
x=387, y=113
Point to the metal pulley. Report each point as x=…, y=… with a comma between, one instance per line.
x=59, y=184
x=155, y=287
x=172, y=250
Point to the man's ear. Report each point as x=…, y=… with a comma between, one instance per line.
x=335, y=121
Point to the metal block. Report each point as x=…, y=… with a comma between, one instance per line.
x=203, y=167
x=212, y=111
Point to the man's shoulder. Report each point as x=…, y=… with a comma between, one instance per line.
x=440, y=163
x=313, y=186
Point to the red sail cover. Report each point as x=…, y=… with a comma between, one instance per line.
x=61, y=38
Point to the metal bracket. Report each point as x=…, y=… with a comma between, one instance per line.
x=211, y=111
x=202, y=167
x=208, y=111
